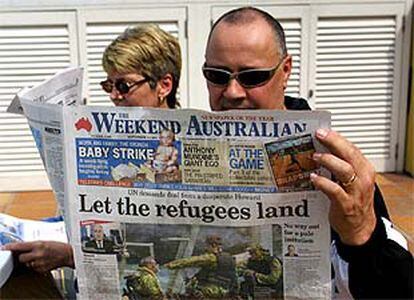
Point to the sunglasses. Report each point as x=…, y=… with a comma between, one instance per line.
x=121, y=85
x=247, y=78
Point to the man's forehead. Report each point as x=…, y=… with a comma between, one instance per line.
x=243, y=45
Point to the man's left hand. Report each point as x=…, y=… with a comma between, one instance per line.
x=352, y=212
x=43, y=256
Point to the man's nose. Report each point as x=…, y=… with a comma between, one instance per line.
x=234, y=90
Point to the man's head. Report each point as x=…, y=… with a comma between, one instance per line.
x=98, y=232
x=214, y=244
x=291, y=250
x=245, y=39
x=257, y=252
x=150, y=263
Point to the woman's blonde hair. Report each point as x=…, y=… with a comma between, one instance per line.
x=147, y=50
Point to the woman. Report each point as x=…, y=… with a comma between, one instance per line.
x=143, y=67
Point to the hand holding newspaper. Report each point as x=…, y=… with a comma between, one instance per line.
x=14, y=230
x=200, y=204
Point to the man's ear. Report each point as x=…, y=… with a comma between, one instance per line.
x=287, y=69
x=165, y=86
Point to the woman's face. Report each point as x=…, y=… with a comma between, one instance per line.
x=138, y=91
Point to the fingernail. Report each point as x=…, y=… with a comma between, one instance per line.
x=322, y=133
x=313, y=176
x=316, y=156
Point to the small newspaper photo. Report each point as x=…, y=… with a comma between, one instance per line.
x=291, y=162
x=188, y=204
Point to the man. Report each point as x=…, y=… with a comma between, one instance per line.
x=291, y=251
x=262, y=275
x=247, y=67
x=99, y=243
x=216, y=278
x=145, y=284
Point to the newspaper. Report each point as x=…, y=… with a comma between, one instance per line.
x=185, y=204
x=64, y=88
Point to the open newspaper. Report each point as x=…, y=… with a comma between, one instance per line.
x=63, y=89
x=189, y=204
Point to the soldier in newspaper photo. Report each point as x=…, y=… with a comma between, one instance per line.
x=144, y=284
x=217, y=277
x=262, y=274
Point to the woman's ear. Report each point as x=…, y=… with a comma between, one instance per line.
x=165, y=85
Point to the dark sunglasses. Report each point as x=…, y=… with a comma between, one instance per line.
x=247, y=78
x=121, y=85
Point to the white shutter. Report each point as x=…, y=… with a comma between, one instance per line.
x=32, y=47
x=354, y=78
x=100, y=27
x=293, y=30
x=292, y=19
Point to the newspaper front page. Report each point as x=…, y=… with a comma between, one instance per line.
x=221, y=201
x=188, y=204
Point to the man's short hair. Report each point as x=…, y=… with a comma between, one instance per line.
x=148, y=260
x=247, y=14
x=96, y=226
x=147, y=50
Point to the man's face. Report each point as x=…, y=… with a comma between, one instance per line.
x=98, y=233
x=214, y=248
x=255, y=254
x=237, y=47
x=154, y=266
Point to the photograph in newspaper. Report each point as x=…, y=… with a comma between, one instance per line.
x=101, y=237
x=129, y=162
x=291, y=162
x=188, y=262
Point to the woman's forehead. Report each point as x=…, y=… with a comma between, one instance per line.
x=113, y=76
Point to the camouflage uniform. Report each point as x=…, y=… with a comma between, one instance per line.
x=216, y=278
x=144, y=285
x=262, y=271
x=267, y=270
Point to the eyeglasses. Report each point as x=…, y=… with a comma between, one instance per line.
x=121, y=85
x=247, y=78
